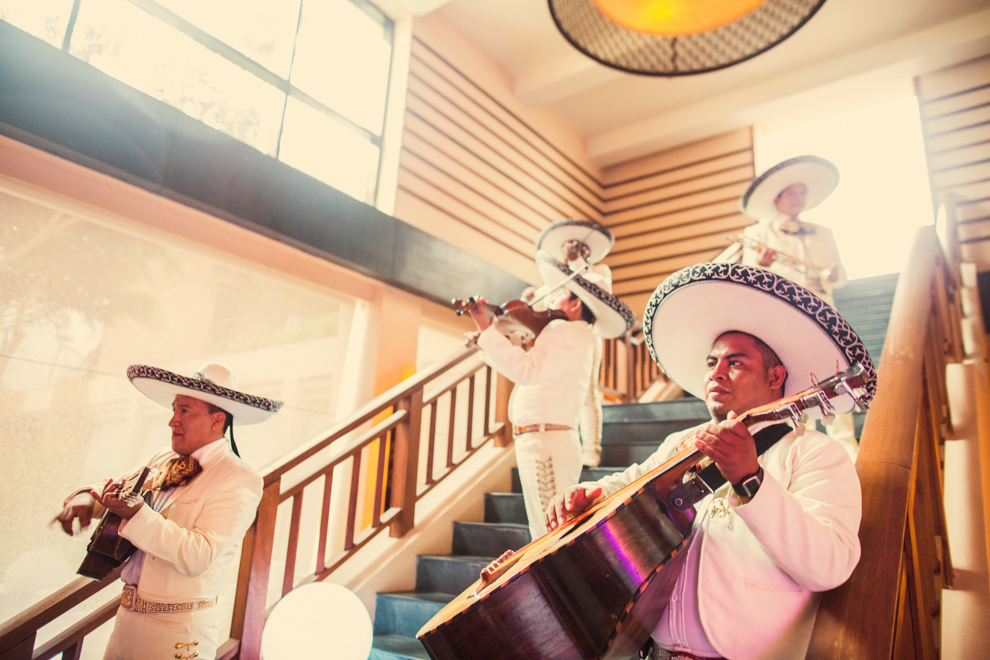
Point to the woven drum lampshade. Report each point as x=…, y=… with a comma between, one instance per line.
x=678, y=37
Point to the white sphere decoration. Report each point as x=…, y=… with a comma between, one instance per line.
x=318, y=620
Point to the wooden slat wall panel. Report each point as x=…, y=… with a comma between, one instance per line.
x=478, y=169
x=955, y=111
x=674, y=209
x=488, y=174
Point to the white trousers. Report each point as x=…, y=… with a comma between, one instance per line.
x=591, y=413
x=548, y=463
x=163, y=636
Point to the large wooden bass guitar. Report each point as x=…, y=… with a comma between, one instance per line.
x=107, y=549
x=596, y=586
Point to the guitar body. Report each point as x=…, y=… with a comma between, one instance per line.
x=107, y=549
x=594, y=588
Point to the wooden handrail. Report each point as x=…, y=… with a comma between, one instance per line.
x=889, y=608
x=400, y=432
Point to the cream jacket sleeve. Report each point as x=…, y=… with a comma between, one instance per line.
x=203, y=523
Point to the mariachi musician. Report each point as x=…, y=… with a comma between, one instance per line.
x=784, y=525
x=187, y=533
x=552, y=379
x=582, y=244
x=783, y=243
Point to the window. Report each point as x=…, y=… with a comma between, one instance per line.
x=304, y=81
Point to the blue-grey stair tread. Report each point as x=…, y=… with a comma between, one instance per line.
x=480, y=539
x=626, y=455
x=644, y=433
x=683, y=408
x=449, y=573
x=397, y=647
x=406, y=612
x=505, y=508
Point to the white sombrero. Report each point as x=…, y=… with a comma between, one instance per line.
x=818, y=175
x=692, y=307
x=214, y=383
x=613, y=318
x=595, y=235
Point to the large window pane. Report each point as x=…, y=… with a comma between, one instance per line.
x=147, y=54
x=84, y=296
x=321, y=147
x=45, y=19
x=342, y=60
x=263, y=30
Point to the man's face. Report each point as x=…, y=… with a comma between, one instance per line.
x=736, y=380
x=193, y=425
x=792, y=199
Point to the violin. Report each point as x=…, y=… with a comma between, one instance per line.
x=514, y=319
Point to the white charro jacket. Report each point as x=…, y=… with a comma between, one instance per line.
x=762, y=563
x=187, y=549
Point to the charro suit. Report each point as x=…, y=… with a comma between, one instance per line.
x=749, y=591
x=188, y=541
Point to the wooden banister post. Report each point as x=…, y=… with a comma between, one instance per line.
x=248, y=619
x=22, y=650
x=405, y=452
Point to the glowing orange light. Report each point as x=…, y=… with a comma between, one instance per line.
x=675, y=18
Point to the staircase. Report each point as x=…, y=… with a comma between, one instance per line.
x=631, y=432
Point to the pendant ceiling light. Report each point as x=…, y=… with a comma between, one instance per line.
x=678, y=37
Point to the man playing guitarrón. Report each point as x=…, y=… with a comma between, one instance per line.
x=784, y=527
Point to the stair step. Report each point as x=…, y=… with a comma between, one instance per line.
x=405, y=612
x=676, y=409
x=488, y=539
x=450, y=574
x=587, y=473
x=505, y=508
x=397, y=647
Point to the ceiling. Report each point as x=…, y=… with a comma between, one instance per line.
x=848, y=50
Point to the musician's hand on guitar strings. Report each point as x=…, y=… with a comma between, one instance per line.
x=122, y=505
x=731, y=446
x=570, y=502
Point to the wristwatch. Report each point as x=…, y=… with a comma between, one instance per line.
x=749, y=485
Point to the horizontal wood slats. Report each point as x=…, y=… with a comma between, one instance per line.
x=674, y=209
x=481, y=171
x=955, y=112
x=477, y=172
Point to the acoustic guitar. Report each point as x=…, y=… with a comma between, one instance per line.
x=596, y=586
x=107, y=549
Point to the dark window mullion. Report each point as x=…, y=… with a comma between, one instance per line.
x=70, y=26
x=211, y=42
x=249, y=65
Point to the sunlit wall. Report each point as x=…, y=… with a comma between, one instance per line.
x=85, y=295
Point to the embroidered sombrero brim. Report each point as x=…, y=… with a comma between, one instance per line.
x=595, y=235
x=817, y=174
x=162, y=386
x=613, y=318
x=695, y=305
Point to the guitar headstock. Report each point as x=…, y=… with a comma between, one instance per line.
x=817, y=398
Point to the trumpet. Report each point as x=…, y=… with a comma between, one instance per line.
x=800, y=265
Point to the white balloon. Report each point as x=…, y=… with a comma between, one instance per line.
x=318, y=620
